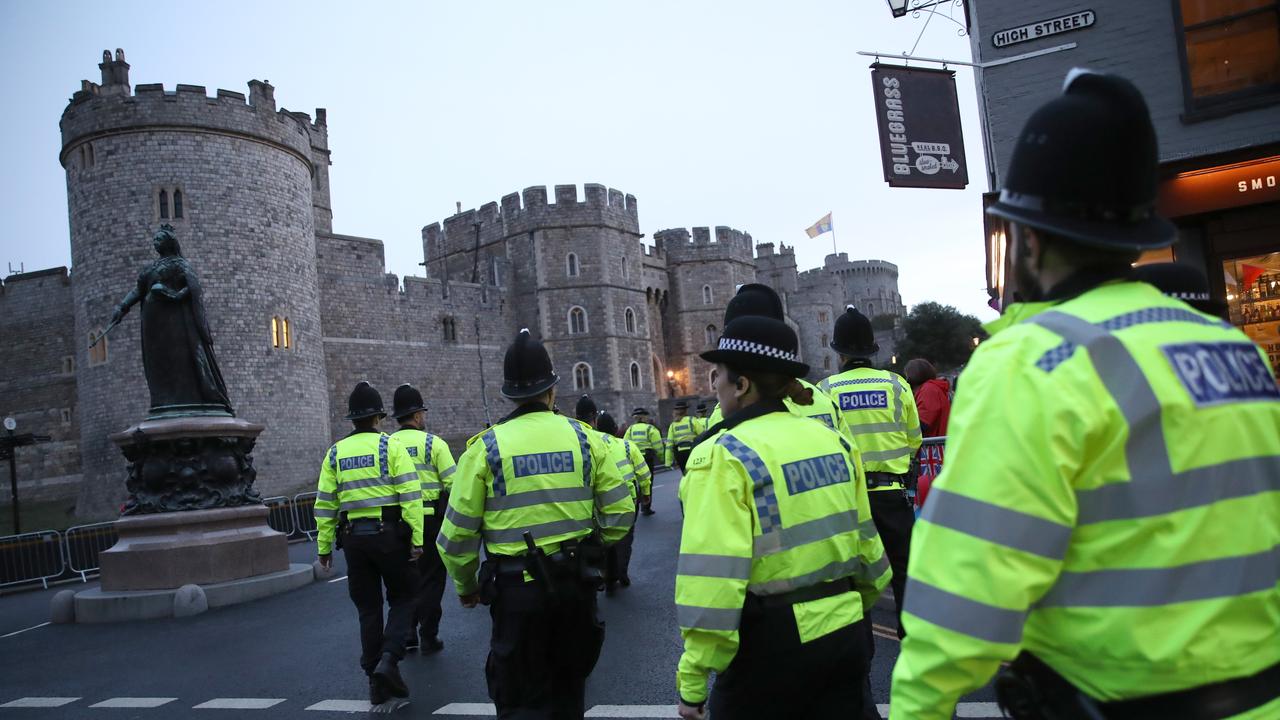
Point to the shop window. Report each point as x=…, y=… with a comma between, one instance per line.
x=635, y=376
x=582, y=376
x=629, y=320
x=572, y=263
x=98, y=348
x=1230, y=52
x=1253, y=300
x=577, y=321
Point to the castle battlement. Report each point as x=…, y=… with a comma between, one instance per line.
x=679, y=245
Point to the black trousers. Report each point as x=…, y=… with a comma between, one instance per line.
x=432, y=579
x=374, y=561
x=775, y=676
x=618, y=558
x=540, y=654
x=650, y=461
x=894, y=518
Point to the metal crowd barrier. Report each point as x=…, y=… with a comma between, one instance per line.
x=279, y=514
x=304, y=518
x=82, y=544
x=30, y=557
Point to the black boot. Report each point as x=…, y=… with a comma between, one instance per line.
x=388, y=674
x=431, y=645
x=377, y=693
x=411, y=643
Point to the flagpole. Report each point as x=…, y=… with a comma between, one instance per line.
x=833, y=235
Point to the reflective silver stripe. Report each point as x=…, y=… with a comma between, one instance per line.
x=321, y=495
x=577, y=493
x=432, y=486
x=494, y=458
x=515, y=535
x=629, y=476
x=584, y=448
x=406, y=477
x=897, y=397
x=362, y=483
x=1000, y=525
x=1148, y=587
x=831, y=571
x=867, y=530
x=761, y=480
x=369, y=502
x=466, y=522
x=870, y=573
x=962, y=615
x=721, y=566
x=384, y=467
x=423, y=467
x=705, y=618
x=468, y=546
x=613, y=520
x=446, y=473
x=866, y=428
x=914, y=433
x=812, y=531
x=623, y=464
x=325, y=513
x=410, y=496
x=1153, y=487
x=882, y=455
x=612, y=496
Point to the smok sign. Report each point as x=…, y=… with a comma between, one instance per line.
x=1217, y=188
x=921, y=141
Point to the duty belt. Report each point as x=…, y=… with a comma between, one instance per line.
x=804, y=594
x=879, y=480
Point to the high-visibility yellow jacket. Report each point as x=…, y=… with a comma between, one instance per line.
x=646, y=437
x=700, y=425
x=537, y=471
x=680, y=431
x=1110, y=503
x=630, y=463
x=823, y=408
x=880, y=410
x=359, y=475
x=772, y=504
x=432, y=460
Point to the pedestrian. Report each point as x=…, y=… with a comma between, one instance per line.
x=933, y=403
x=542, y=493
x=680, y=434
x=434, y=465
x=1107, y=518
x=369, y=503
x=649, y=439
x=700, y=419
x=881, y=413
x=636, y=474
x=778, y=559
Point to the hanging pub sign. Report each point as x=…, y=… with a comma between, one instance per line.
x=921, y=142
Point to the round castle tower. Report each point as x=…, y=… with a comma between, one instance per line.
x=235, y=180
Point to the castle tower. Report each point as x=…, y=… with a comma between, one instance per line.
x=703, y=274
x=235, y=179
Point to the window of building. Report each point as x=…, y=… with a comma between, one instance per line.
x=1230, y=52
x=169, y=203
x=871, y=309
x=572, y=262
x=65, y=416
x=826, y=363
x=710, y=334
x=635, y=376
x=822, y=316
x=177, y=204
x=629, y=320
x=582, y=376
x=164, y=204
x=86, y=155
x=577, y=320
x=824, y=340
x=98, y=348
x=450, y=329
x=68, y=364
x=706, y=294
x=280, y=338
x=624, y=268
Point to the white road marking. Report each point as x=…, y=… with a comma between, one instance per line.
x=633, y=711
x=19, y=632
x=238, y=704
x=39, y=702
x=351, y=706
x=337, y=579
x=467, y=709
x=133, y=702
x=964, y=710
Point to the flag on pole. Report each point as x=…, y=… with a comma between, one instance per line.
x=822, y=226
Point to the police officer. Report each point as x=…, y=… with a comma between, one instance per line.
x=636, y=474
x=434, y=464
x=700, y=419
x=649, y=439
x=680, y=434
x=778, y=558
x=1107, y=514
x=370, y=499
x=539, y=490
x=880, y=411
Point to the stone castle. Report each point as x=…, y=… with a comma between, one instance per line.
x=300, y=313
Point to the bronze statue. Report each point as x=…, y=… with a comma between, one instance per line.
x=177, y=348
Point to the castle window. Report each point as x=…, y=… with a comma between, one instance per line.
x=572, y=262
x=65, y=415
x=177, y=207
x=68, y=364
x=630, y=320
x=577, y=320
x=280, y=333
x=711, y=335
x=822, y=316
x=98, y=351
x=706, y=294
x=164, y=204
x=824, y=339
x=826, y=363
x=450, y=330
x=582, y=376
x=624, y=268
x=635, y=376
x=871, y=309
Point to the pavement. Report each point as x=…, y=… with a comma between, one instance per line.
x=295, y=655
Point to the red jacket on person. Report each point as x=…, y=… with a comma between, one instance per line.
x=933, y=399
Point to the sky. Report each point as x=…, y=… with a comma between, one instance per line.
x=755, y=115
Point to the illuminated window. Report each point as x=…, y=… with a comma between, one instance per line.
x=582, y=376
x=280, y=338
x=98, y=351
x=1230, y=52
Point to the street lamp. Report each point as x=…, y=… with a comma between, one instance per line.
x=900, y=8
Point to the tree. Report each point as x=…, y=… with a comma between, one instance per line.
x=940, y=334
x=883, y=322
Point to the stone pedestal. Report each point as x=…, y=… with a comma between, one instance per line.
x=198, y=547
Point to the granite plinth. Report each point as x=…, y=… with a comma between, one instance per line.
x=97, y=605
x=164, y=551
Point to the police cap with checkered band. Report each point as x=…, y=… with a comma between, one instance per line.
x=756, y=342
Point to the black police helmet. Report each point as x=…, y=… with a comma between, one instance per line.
x=606, y=424
x=682, y=405
x=853, y=335
x=1084, y=167
x=756, y=342
x=1183, y=282
x=639, y=411
x=364, y=402
x=526, y=369
x=406, y=401
x=754, y=299
x=586, y=410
